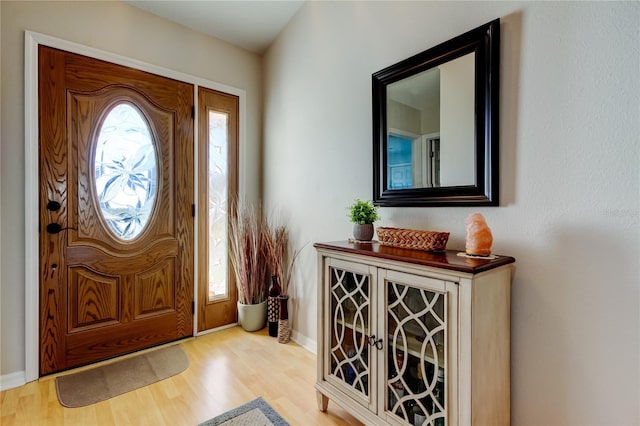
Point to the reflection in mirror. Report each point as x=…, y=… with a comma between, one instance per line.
x=430, y=127
x=435, y=124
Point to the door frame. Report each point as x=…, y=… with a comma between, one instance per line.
x=31, y=178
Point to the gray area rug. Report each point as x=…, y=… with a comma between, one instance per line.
x=100, y=383
x=254, y=413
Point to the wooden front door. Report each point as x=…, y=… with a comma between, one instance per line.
x=116, y=209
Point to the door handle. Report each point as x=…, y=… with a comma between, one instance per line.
x=54, y=228
x=374, y=342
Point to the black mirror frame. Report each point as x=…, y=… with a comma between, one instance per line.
x=484, y=41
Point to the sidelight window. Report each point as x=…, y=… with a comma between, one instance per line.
x=218, y=204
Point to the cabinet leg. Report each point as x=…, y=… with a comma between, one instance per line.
x=323, y=401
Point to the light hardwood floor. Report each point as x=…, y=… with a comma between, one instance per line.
x=226, y=369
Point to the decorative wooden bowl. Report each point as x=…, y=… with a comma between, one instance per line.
x=413, y=238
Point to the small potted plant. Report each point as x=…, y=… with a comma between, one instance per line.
x=363, y=214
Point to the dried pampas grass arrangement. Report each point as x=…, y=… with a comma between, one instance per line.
x=248, y=252
x=281, y=261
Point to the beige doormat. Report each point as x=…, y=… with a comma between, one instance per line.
x=100, y=383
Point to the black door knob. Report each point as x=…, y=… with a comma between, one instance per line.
x=53, y=206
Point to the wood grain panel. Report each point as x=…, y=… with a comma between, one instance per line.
x=53, y=161
x=215, y=313
x=87, y=112
x=111, y=260
x=184, y=204
x=85, y=348
x=93, y=300
x=99, y=310
x=87, y=74
x=155, y=289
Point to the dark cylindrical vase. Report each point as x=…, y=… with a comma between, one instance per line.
x=273, y=307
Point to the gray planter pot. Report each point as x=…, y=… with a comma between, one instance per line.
x=363, y=232
x=252, y=317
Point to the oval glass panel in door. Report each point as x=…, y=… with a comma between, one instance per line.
x=126, y=171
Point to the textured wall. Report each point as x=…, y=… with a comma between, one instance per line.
x=570, y=182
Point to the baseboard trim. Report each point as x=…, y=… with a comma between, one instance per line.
x=213, y=330
x=12, y=380
x=304, y=341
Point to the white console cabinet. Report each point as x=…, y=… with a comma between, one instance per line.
x=408, y=337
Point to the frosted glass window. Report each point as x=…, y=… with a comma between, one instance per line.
x=126, y=171
x=218, y=204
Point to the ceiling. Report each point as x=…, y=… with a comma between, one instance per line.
x=250, y=24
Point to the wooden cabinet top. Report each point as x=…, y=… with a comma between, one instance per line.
x=447, y=259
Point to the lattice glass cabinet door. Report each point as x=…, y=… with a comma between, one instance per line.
x=350, y=309
x=415, y=385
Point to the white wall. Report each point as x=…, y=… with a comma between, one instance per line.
x=124, y=30
x=403, y=117
x=570, y=183
x=457, y=119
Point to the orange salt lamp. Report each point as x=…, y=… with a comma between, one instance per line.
x=479, y=238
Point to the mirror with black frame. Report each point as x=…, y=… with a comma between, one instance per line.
x=435, y=124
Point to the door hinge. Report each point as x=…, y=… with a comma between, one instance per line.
x=193, y=307
x=193, y=112
x=193, y=210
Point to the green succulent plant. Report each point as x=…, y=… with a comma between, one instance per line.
x=362, y=212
